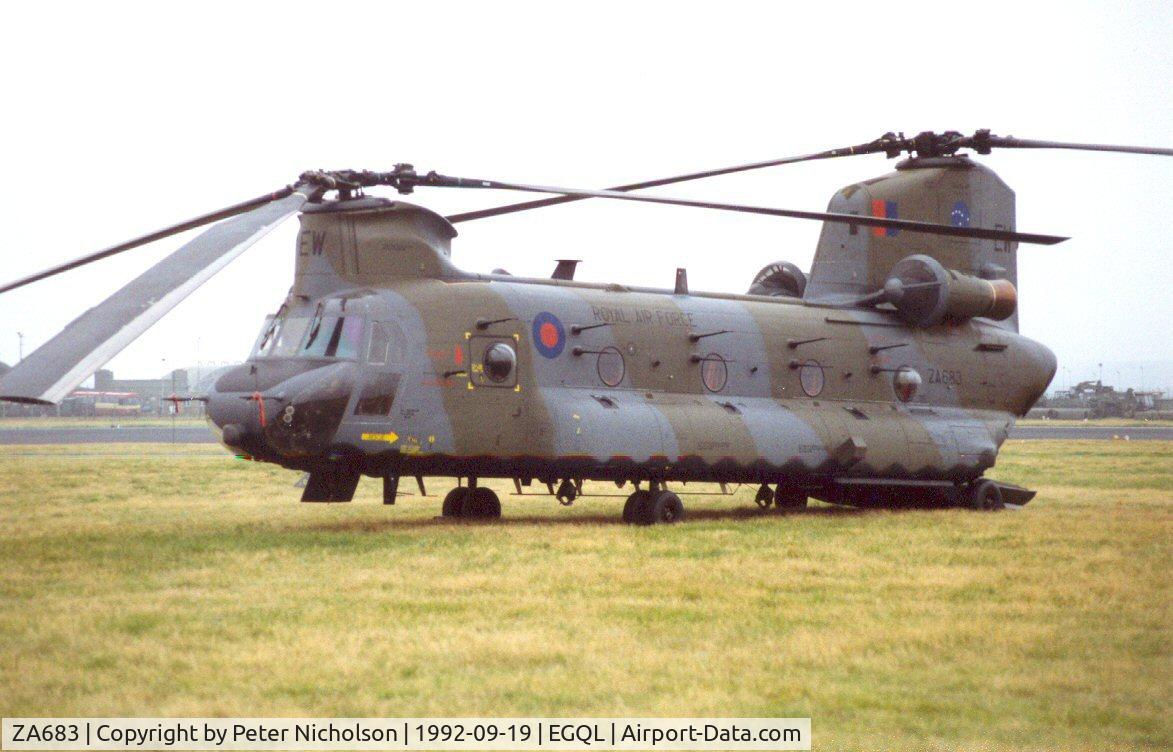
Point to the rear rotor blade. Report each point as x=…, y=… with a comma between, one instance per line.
x=56, y=368
x=850, y=219
x=203, y=219
x=890, y=144
x=871, y=147
x=1009, y=142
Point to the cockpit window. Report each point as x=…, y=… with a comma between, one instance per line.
x=350, y=341
x=330, y=332
x=282, y=335
x=333, y=336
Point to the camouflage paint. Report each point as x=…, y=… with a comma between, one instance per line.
x=554, y=416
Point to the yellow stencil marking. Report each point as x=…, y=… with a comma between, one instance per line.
x=390, y=438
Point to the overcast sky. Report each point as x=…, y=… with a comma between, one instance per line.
x=123, y=118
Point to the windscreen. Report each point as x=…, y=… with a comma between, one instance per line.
x=333, y=336
x=282, y=335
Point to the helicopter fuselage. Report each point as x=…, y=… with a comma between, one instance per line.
x=494, y=376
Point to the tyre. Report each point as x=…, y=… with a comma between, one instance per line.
x=454, y=502
x=665, y=508
x=789, y=499
x=481, y=504
x=985, y=496
x=633, y=507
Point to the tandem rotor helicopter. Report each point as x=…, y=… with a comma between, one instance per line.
x=890, y=374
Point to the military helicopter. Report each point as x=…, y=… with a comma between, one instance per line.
x=891, y=374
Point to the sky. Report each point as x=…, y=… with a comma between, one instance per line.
x=121, y=118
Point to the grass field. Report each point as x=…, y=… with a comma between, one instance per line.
x=176, y=581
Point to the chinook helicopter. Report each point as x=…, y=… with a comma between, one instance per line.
x=890, y=374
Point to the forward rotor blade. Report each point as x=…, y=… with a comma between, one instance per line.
x=1009, y=142
x=850, y=219
x=869, y=148
x=56, y=368
x=150, y=237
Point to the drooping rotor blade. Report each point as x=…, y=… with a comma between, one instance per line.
x=1009, y=142
x=58, y=366
x=880, y=144
x=151, y=237
x=891, y=144
x=432, y=179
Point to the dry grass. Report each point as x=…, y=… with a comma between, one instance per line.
x=177, y=581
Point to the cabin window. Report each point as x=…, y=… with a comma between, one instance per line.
x=380, y=345
x=377, y=395
x=388, y=344
x=714, y=372
x=499, y=362
x=811, y=378
x=611, y=367
x=905, y=382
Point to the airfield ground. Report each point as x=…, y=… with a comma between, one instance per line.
x=174, y=580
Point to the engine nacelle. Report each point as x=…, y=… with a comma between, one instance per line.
x=926, y=293
x=781, y=279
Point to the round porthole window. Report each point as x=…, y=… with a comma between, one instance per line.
x=611, y=367
x=811, y=377
x=499, y=362
x=905, y=382
x=714, y=372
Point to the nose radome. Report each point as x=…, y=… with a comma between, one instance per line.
x=237, y=421
x=226, y=409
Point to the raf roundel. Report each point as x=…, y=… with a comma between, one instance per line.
x=549, y=335
x=959, y=217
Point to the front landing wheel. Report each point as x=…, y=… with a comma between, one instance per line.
x=789, y=500
x=665, y=508
x=984, y=495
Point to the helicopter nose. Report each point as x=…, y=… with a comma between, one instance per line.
x=239, y=419
x=305, y=423
x=292, y=417
x=295, y=417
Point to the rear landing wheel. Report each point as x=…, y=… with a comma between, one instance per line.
x=635, y=506
x=481, y=504
x=454, y=502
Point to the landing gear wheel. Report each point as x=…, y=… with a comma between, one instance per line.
x=984, y=496
x=481, y=504
x=454, y=502
x=664, y=508
x=633, y=508
x=764, y=497
x=789, y=500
